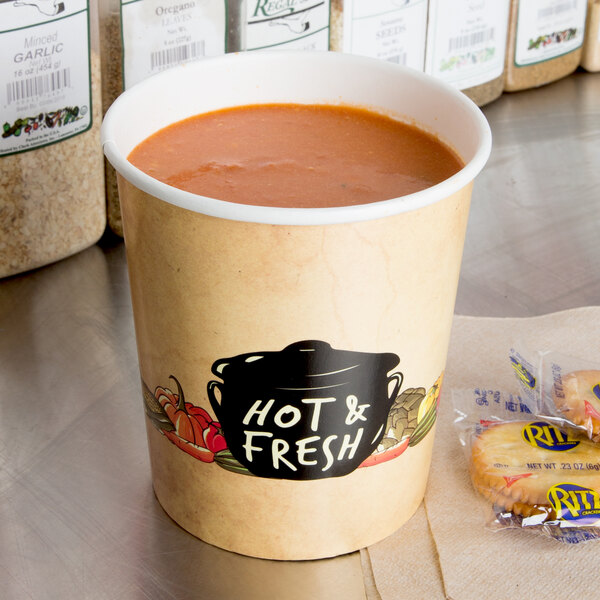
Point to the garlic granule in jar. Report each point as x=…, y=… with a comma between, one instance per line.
x=51, y=162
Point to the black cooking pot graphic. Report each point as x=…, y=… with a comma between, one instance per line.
x=308, y=411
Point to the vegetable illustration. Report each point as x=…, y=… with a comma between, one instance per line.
x=57, y=118
x=556, y=37
x=381, y=457
x=189, y=427
x=193, y=430
x=410, y=419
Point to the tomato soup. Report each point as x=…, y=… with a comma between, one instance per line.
x=294, y=155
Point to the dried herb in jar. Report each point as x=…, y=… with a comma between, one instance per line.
x=544, y=42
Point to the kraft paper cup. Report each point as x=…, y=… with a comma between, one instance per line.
x=292, y=359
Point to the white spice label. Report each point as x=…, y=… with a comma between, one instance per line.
x=466, y=41
x=547, y=29
x=287, y=24
x=158, y=34
x=44, y=73
x=390, y=30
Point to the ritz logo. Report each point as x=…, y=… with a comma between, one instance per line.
x=522, y=373
x=540, y=434
x=573, y=502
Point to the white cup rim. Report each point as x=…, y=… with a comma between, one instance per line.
x=292, y=216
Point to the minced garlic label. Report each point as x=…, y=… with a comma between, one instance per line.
x=44, y=73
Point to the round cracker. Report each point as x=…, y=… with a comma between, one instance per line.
x=579, y=399
x=516, y=474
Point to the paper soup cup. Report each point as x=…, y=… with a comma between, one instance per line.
x=292, y=359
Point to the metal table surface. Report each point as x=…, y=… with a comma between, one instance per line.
x=78, y=518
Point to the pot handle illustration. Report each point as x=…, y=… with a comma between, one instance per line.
x=397, y=378
x=210, y=389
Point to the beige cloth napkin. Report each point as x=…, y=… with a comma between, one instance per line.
x=458, y=558
x=405, y=564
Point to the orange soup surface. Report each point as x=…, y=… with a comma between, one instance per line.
x=295, y=155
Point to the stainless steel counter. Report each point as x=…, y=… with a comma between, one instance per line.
x=78, y=518
x=532, y=245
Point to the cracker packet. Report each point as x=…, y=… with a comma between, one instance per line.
x=562, y=387
x=536, y=471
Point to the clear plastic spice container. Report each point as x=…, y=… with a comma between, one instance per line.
x=289, y=25
x=141, y=38
x=466, y=45
x=544, y=41
x=51, y=164
x=386, y=29
x=590, y=56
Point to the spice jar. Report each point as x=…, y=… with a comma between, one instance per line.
x=51, y=164
x=590, y=57
x=387, y=29
x=544, y=41
x=290, y=25
x=139, y=39
x=466, y=45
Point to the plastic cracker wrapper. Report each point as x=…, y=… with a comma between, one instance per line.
x=561, y=386
x=536, y=472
